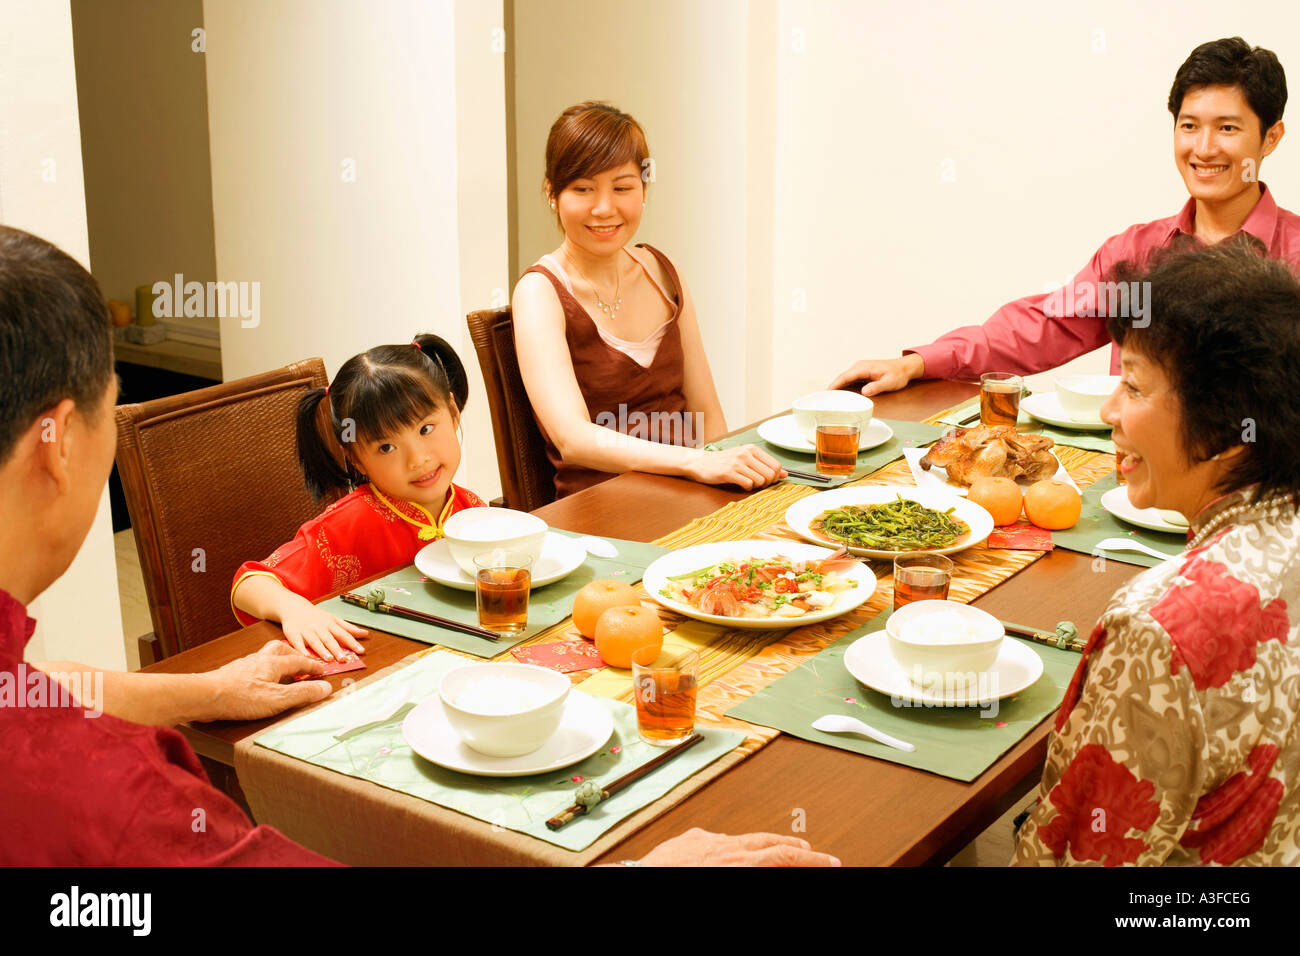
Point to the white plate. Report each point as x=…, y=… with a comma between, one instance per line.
x=560, y=557
x=869, y=660
x=1046, y=407
x=584, y=729
x=703, y=555
x=784, y=433
x=1116, y=502
x=801, y=514
x=936, y=479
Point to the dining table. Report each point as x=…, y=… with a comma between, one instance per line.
x=866, y=811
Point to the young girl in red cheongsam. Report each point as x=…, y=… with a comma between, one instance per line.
x=386, y=430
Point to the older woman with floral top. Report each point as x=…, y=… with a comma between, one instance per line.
x=1178, y=740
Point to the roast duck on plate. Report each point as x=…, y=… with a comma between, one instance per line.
x=996, y=451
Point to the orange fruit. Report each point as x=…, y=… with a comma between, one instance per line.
x=1053, y=505
x=1000, y=497
x=596, y=597
x=621, y=631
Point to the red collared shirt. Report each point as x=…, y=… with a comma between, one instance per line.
x=1035, y=333
x=80, y=789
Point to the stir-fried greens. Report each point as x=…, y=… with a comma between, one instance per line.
x=762, y=587
x=900, y=525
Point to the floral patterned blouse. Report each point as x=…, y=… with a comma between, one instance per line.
x=1178, y=741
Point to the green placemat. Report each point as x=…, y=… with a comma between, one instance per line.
x=1096, y=523
x=546, y=606
x=381, y=755
x=906, y=435
x=957, y=742
x=1091, y=441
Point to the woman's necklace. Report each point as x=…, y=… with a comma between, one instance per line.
x=610, y=309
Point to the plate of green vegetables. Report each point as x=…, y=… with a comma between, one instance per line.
x=882, y=521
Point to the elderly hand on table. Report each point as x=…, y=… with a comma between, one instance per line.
x=698, y=847
x=244, y=689
x=250, y=688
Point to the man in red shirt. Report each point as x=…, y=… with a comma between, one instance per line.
x=1227, y=101
x=96, y=776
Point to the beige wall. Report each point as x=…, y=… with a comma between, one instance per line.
x=302, y=95
x=144, y=138
x=41, y=191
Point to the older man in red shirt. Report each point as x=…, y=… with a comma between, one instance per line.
x=1227, y=101
x=90, y=771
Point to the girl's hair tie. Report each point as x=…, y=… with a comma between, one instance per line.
x=417, y=345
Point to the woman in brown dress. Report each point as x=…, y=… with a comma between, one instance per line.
x=609, y=346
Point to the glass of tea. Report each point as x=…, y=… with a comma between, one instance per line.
x=501, y=587
x=837, y=449
x=664, y=681
x=1000, y=398
x=921, y=577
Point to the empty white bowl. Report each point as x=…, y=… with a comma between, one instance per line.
x=831, y=408
x=1083, y=395
x=504, y=709
x=476, y=530
x=931, y=653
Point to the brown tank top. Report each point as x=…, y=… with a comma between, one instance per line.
x=621, y=394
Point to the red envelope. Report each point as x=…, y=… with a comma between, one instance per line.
x=562, y=656
x=346, y=661
x=1021, y=536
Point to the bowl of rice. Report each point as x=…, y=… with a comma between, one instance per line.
x=943, y=641
x=504, y=709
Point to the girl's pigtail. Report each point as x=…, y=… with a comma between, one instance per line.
x=444, y=356
x=319, y=454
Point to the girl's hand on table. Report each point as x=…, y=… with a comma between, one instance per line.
x=698, y=847
x=306, y=625
x=747, y=466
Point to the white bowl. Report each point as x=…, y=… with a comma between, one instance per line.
x=476, y=530
x=1083, y=395
x=504, y=727
x=831, y=408
x=947, y=663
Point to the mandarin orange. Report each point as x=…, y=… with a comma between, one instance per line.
x=1000, y=497
x=597, y=597
x=621, y=631
x=1053, y=505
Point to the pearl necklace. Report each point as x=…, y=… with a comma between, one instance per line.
x=1229, y=515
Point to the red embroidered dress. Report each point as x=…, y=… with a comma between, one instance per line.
x=1178, y=741
x=360, y=535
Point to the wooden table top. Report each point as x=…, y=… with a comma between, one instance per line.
x=867, y=812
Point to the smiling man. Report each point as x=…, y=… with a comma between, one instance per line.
x=1227, y=101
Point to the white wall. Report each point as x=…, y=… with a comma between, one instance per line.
x=300, y=94
x=41, y=191
x=802, y=145
x=1053, y=116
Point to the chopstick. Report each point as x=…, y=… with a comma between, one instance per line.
x=807, y=476
x=560, y=819
x=380, y=606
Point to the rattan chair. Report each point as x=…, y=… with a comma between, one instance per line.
x=527, y=476
x=211, y=479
